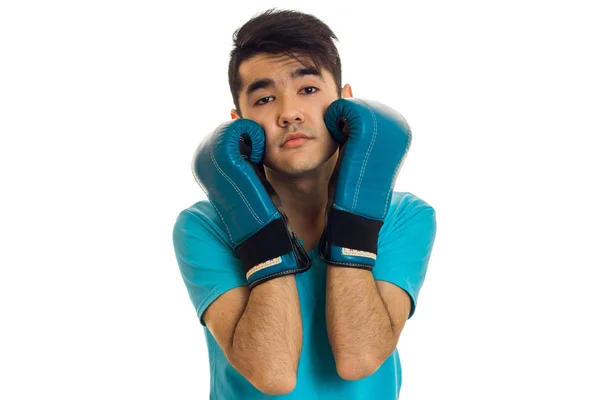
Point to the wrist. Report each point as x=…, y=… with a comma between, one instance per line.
x=350, y=240
x=272, y=252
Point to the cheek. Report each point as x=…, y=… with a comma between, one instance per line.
x=271, y=139
x=271, y=144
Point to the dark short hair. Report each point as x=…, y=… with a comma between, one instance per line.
x=286, y=32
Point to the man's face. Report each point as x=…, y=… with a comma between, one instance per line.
x=285, y=98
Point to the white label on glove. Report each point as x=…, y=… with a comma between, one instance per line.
x=359, y=253
x=263, y=265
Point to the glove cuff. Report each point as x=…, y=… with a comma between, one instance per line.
x=272, y=252
x=350, y=240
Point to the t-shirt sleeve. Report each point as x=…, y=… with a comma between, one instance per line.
x=207, y=262
x=405, y=250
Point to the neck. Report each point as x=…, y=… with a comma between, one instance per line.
x=304, y=199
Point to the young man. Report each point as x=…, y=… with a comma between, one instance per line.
x=304, y=265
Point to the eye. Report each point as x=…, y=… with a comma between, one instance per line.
x=260, y=101
x=311, y=89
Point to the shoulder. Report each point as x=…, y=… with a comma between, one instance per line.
x=405, y=204
x=201, y=219
x=408, y=210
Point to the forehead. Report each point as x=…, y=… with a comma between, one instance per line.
x=276, y=67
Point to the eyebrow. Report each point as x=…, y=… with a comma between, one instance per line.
x=266, y=83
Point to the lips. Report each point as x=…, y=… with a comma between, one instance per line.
x=293, y=136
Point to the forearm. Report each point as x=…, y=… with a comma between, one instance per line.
x=267, y=341
x=360, y=330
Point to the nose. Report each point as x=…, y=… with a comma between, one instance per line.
x=289, y=113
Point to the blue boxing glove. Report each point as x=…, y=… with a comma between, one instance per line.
x=374, y=141
x=225, y=165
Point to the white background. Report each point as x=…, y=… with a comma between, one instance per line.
x=103, y=103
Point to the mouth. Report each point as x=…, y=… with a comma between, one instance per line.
x=295, y=142
x=294, y=139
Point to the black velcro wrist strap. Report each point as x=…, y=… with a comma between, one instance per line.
x=270, y=242
x=345, y=229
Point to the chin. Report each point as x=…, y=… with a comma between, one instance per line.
x=302, y=162
x=296, y=167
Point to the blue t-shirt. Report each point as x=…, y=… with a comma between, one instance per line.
x=209, y=268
